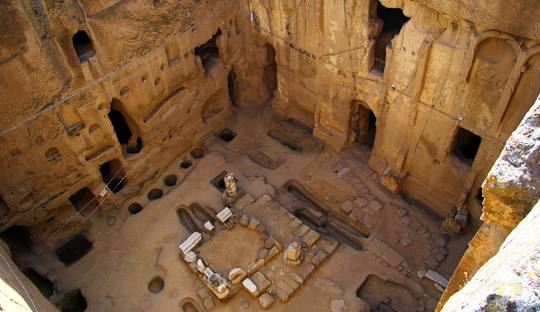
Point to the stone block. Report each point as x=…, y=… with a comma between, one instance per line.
x=377, y=247
x=357, y=214
x=244, y=220
x=374, y=206
x=311, y=237
x=244, y=201
x=297, y=278
x=347, y=206
x=253, y=223
x=250, y=286
x=305, y=270
x=319, y=257
x=431, y=262
x=391, y=257
x=262, y=253
x=261, y=281
x=360, y=202
x=208, y=303
x=301, y=230
x=295, y=222
x=266, y=300
x=203, y=293
x=328, y=245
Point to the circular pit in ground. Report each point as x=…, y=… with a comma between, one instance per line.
x=156, y=285
x=135, y=208
x=170, y=180
x=155, y=194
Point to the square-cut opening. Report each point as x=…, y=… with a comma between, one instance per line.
x=74, y=249
x=466, y=145
x=218, y=181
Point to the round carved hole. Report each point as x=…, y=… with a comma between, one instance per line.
x=157, y=81
x=53, y=154
x=156, y=285
x=143, y=78
x=93, y=128
x=155, y=194
x=197, y=153
x=185, y=164
x=170, y=180
x=135, y=208
x=124, y=91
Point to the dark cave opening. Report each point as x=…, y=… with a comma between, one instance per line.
x=466, y=145
x=113, y=175
x=124, y=132
x=83, y=46
x=208, y=51
x=84, y=201
x=363, y=123
x=74, y=249
x=393, y=20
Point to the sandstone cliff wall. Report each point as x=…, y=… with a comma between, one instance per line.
x=496, y=266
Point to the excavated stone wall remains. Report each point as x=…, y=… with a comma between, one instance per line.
x=100, y=97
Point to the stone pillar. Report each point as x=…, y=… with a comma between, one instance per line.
x=231, y=191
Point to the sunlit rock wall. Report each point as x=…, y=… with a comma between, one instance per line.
x=473, y=65
x=508, y=274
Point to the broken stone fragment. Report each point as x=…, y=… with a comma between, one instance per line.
x=273, y=251
x=268, y=243
x=208, y=226
x=405, y=241
x=263, y=253
x=437, y=278
x=236, y=275
x=253, y=223
x=224, y=215
x=347, y=206
x=360, y=202
x=293, y=253
x=305, y=270
x=201, y=267
x=266, y=300
x=190, y=243
x=255, y=265
x=203, y=293
x=297, y=278
x=249, y=285
x=337, y=305
x=311, y=237
x=328, y=245
x=374, y=206
x=301, y=230
x=319, y=258
x=261, y=282
x=431, y=262
x=209, y=303
x=190, y=257
x=343, y=171
x=244, y=220
x=357, y=214
x=260, y=228
x=402, y=212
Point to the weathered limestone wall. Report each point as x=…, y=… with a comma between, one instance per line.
x=452, y=65
x=56, y=132
x=17, y=293
x=509, y=280
x=511, y=189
